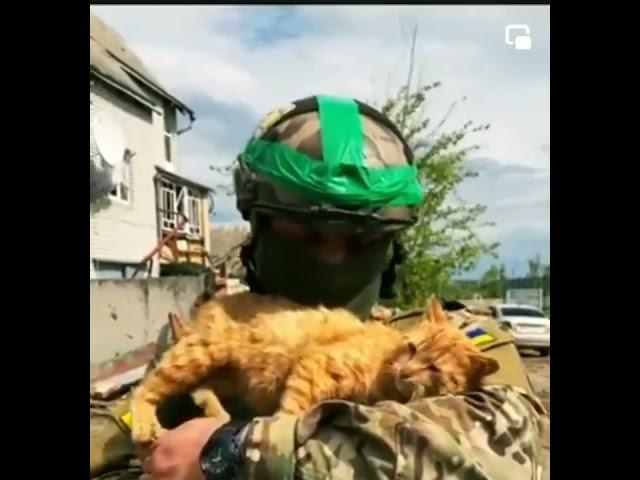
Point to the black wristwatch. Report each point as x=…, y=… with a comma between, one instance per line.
x=222, y=455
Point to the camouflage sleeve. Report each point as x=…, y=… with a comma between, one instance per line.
x=489, y=434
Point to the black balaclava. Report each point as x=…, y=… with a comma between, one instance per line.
x=279, y=266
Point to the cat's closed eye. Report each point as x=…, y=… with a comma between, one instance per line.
x=433, y=368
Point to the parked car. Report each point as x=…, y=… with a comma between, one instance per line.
x=529, y=326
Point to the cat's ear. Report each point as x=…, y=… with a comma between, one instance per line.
x=436, y=313
x=178, y=328
x=483, y=366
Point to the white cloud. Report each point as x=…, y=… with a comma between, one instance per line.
x=252, y=59
x=214, y=74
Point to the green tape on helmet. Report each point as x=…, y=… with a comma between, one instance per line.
x=344, y=184
x=341, y=131
x=340, y=177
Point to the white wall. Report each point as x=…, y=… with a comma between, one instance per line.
x=127, y=232
x=127, y=314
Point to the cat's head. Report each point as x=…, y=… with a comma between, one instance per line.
x=437, y=358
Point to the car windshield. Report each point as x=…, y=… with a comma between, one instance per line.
x=521, y=312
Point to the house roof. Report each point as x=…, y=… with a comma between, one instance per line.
x=111, y=59
x=173, y=177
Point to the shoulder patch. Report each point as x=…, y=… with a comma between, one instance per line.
x=127, y=419
x=479, y=336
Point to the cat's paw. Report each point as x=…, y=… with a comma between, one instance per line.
x=145, y=427
x=208, y=401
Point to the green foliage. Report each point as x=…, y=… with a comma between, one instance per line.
x=460, y=289
x=536, y=268
x=492, y=282
x=444, y=242
x=224, y=172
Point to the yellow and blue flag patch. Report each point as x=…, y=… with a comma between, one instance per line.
x=127, y=419
x=479, y=336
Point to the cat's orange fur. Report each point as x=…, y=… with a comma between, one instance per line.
x=279, y=356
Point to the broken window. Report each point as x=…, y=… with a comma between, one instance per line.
x=194, y=213
x=168, y=206
x=176, y=200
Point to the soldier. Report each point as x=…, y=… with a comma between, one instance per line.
x=327, y=184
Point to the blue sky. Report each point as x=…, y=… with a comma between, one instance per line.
x=232, y=64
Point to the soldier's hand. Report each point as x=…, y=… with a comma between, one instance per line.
x=176, y=454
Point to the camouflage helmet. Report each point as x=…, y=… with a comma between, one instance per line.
x=329, y=159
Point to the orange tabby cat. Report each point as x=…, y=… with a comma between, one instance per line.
x=281, y=357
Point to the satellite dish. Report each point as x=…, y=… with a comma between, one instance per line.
x=109, y=138
x=107, y=153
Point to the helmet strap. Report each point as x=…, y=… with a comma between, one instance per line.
x=246, y=257
x=387, y=286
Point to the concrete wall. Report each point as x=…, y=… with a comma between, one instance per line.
x=126, y=314
x=126, y=232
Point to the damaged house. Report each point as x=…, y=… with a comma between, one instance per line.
x=226, y=242
x=144, y=215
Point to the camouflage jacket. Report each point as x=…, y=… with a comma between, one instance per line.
x=493, y=433
x=490, y=434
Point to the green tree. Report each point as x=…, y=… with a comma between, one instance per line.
x=536, y=268
x=492, y=282
x=444, y=242
x=460, y=289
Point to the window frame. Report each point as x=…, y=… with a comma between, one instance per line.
x=186, y=201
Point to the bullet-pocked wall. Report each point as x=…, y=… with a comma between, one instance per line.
x=127, y=314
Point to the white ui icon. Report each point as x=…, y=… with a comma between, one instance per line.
x=521, y=41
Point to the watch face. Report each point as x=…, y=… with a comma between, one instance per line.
x=220, y=458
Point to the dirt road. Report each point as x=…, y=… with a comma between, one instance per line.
x=539, y=369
